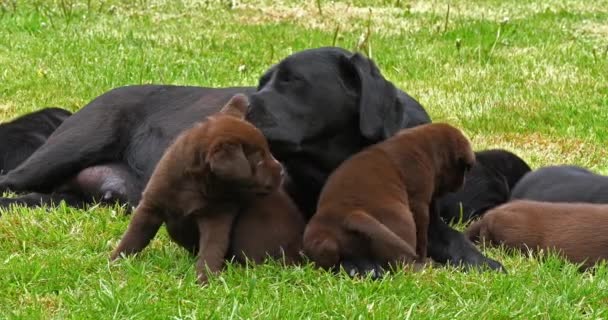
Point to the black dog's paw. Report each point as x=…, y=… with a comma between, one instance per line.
x=362, y=268
x=5, y=203
x=476, y=260
x=5, y=185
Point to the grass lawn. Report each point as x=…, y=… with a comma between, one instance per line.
x=530, y=76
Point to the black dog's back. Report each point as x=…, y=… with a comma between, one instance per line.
x=20, y=137
x=487, y=185
x=564, y=183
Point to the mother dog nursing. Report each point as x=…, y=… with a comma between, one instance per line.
x=316, y=108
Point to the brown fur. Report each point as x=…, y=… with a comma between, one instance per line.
x=376, y=204
x=577, y=231
x=220, y=169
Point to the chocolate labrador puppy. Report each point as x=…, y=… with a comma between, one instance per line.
x=210, y=174
x=316, y=107
x=488, y=184
x=376, y=204
x=577, y=231
x=562, y=183
x=23, y=135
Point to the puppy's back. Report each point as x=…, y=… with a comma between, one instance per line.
x=577, y=230
x=562, y=183
x=272, y=226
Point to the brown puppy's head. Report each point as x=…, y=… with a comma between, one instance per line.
x=458, y=158
x=238, y=153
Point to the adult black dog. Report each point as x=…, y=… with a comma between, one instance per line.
x=563, y=183
x=316, y=107
x=487, y=185
x=23, y=135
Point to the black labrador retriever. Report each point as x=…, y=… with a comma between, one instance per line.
x=487, y=185
x=316, y=107
x=563, y=183
x=23, y=135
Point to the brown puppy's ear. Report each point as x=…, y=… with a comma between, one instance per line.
x=381, y=113
x=236, y=106
x=227, y=160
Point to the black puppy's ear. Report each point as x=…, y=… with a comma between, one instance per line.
x=227, y=160
x=381, y=114
x=236, y=106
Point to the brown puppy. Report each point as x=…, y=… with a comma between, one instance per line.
x=577, y=231
x=376, y=204
x=272, y=226
x=213, y=172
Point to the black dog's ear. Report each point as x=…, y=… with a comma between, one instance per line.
x=236, y=106
x=227, y=160
x=381, y=114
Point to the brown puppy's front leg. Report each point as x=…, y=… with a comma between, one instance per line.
x=420, y=210
x=143, y=227
x=214, y=240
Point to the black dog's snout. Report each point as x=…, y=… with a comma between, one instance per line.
x=258, y=114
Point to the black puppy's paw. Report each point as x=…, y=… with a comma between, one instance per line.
x=362, y=268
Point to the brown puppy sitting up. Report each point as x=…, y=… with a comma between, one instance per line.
x=376, y=204
x=577, y=231
x=218, y=171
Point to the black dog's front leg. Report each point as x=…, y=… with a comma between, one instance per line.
x=447, y=245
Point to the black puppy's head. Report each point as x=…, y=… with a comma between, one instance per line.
x=319, y=106
x=484, y=189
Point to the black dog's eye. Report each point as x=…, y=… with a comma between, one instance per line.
x=265, y=78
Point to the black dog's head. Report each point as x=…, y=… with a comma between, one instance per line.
x=487, y=185
x=511, y=166
x=319, y=106
x=484, y=189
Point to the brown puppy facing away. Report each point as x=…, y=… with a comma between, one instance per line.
x=218, y=171
x=376, y=204
x=577, y=231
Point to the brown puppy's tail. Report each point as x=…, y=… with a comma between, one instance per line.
x=385, y=244
x=320, y=245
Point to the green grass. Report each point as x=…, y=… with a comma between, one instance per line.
x=535, y=83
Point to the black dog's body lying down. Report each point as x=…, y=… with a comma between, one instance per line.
x=316, y=108
x=487, y=185
x=22, y=136
x=562, y=183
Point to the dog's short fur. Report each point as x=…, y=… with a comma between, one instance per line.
x=316, y=107
x=488, y=184
x=575, y=230
x=212, y=172
x=376, y=204
x=563, y=183
x=20, y=137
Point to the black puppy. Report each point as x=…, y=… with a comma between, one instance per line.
x=316, y=107
x=562, y=183
x=487, y=185
x=20, y=137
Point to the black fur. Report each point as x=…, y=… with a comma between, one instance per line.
x=316, y=107
x=487, y=185
x=22, y=136
x=562, y=183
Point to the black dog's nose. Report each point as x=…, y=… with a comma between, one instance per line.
x=258, y=114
